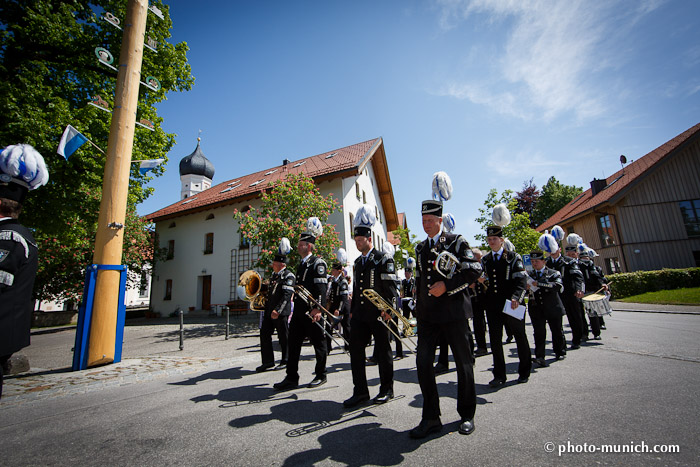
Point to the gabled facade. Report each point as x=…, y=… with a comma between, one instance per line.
x=207, y=254
x=645, y=216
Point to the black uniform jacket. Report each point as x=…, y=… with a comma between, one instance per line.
x=592, y=276
x=339, y=298
x=507, y=278
x=454, y=304
x=313, y=277
x=545, y=300
x=279, y=297
x=18, y=266
x=378, y=273
x=408, y=287
x=570, y=273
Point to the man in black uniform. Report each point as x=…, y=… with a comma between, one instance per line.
x=507, y=279
x=372, y=270
x=545, y=307
x=594, y=281
x=443, y=309
x=573, y=291
x=311, y=274
x=408, y=286
x=478, y=297
x=277, y=310
x=339, y=299
x=25, y=170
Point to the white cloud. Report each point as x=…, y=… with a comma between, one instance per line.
x=514, y=165
x=552, y=53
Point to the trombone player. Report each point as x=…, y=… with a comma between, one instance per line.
x=278, y=306
x=372, y=270
x=443, y=309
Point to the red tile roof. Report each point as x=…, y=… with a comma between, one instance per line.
x=325, y=165
x=618, y=182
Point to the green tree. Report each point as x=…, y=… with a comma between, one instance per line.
x=285, y=208
x=48, y=74
x=554, y=196
x=406, y=244
x=518, y=231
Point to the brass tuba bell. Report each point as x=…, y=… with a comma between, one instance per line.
x=255, y=289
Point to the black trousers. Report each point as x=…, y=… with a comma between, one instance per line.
x=479, y=311
x=406, y=310
x=269, y=325
x=3, y=363
x=457, y=335
x=395, y=327
x=595, y=323
x=443, y=356
x=540, y=319
x=571, y=305
x=300, y=328
x=497, y=319
x=362, y=332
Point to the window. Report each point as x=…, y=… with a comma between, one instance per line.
x=245, y=243
x=357, y=191
x=168, y=289
x=171, y=250
x=696, y=257
x=612, y=265
x=352, y=226
x=605, y=230
x=364, y=197
x=143, y=288
x=690, y=211
x=209, y=243
x=299, y=164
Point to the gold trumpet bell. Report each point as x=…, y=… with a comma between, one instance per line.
x=255, y=289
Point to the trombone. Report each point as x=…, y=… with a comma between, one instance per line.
x=384, y=306
x=311, y=301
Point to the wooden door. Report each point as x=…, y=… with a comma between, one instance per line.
x=206, y=292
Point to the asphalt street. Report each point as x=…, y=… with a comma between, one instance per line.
x=634, y=390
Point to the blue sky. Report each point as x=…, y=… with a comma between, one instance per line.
x=492, y=92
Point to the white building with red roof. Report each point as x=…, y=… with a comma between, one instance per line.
x=206, y=253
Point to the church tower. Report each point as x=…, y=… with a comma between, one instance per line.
x=196, y=173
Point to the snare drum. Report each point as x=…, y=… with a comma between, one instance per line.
x=596, y=304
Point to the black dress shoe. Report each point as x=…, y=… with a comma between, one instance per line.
x=281, y=366
x=371, y=361
x=398, y=357
x=561, y=357
x=425, y=427
x=523, y=379
x=317, y=381
x=480, y=352
x=264, y=366
x=597, y=338
x=384, y=397
x=285, y=385
x=466, y=427
x=497, y=383
x=574, y=347
x=509, y=339
x=440, y=368
x=541, y=362
x=355, y=400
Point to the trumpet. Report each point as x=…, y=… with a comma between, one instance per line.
x=255, y=289
x=384, y=306
x=311, y=301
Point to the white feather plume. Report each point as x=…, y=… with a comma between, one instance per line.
x=365, y=217
x=581, y=247
x=285, y=246
x=508, y=245
x=342, y=256
x=592, y=253
x=388, y=249
x=23, y=162
x=442, y=186
x=314, y=226
x=547, y=243
x=573, y=239
x=448, y=222
x=557, y=233
x=411, y=263
x=501, y=215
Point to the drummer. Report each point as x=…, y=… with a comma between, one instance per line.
x=595, y=282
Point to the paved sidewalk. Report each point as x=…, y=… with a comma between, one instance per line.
x=647, y=308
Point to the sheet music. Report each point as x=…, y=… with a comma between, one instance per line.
x=518, y=313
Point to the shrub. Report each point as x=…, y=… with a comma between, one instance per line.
x=634, y=283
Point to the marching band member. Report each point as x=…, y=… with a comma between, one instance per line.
x=573, y=286
x=443, y=307
x=506, y=287
x=372, y=270
x=545, y=306
x=594, y=281
x=339, y=299
x=478, y=298
x=408, y=286
x=311, y=274
x=277, y=309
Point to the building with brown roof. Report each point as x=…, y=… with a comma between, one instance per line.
x=207, y=254
x=645, y=216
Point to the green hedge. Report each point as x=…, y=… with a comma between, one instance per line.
x=634, y=283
